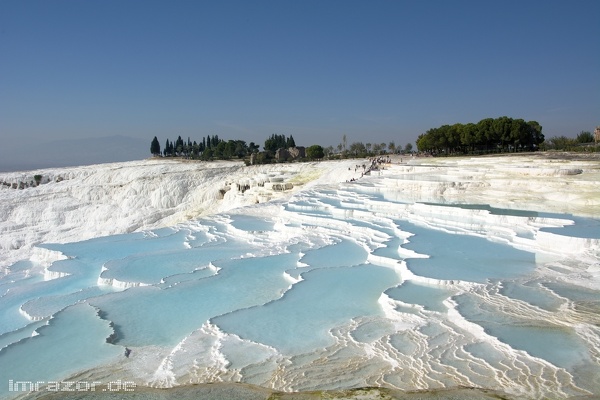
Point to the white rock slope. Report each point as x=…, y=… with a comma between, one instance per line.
x=72, y=204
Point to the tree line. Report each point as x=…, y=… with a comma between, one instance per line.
x=488, y=135
x=279, y=142
x=360, y=149
x=212, y=147
x=584, y=141
x=209, y=148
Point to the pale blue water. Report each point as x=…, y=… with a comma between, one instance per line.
x=533, y=293
x=308, y=301
x=465, y=257
x=301, y=319
x=557, y=344
x=74, y=340
x=251, y=224
x=431, y=298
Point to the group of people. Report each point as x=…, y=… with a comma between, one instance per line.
x=375, y=164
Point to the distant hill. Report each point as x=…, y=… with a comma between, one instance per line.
x=67, y=153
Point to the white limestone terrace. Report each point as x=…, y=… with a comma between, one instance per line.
x=563, y=183
x=79, y=203
x=72, y=204
x=521, y=201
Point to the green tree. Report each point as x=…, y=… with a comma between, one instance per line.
x=484, y=132
x=328, y=151
x=275, y=142
x=179, y=146
x=440, y=138
x=392, y=146
x=536, y=135
x=315, y=152
x=228, y=148
x=408, y=148
x=241, y=149
x=220, y=150
x=155, y=147
x=468, y=136
x=264, y=157
x=253, y=148
x=501, y=128
x=424, y=142
x=585, y=137
x=358, y=149
x=290, y=142
x=453, y=137
x=207, y=155
x=562, y=143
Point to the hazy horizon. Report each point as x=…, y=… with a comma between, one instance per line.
x=374, y=71
x=75, y=152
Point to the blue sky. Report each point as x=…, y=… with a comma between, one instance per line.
x=374, y=70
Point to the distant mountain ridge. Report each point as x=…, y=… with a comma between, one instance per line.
x=75, y=152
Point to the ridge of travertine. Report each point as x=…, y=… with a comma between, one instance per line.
x=78, y=203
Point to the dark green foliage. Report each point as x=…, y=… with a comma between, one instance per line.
x=583, y=143
x=358, y=149
x=211, y=147
x=264, y=157
x=489, y=134
x=276, y=142
x=155, y=147
x=253, y=148
x=315, y=152
x=585, y=137
x=189, y=149
x=561, y=143
x=179, y=146
x=290, y=142
x=207, y=155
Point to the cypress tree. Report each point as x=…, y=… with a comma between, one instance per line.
x=290, y=142
x=155, y=147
